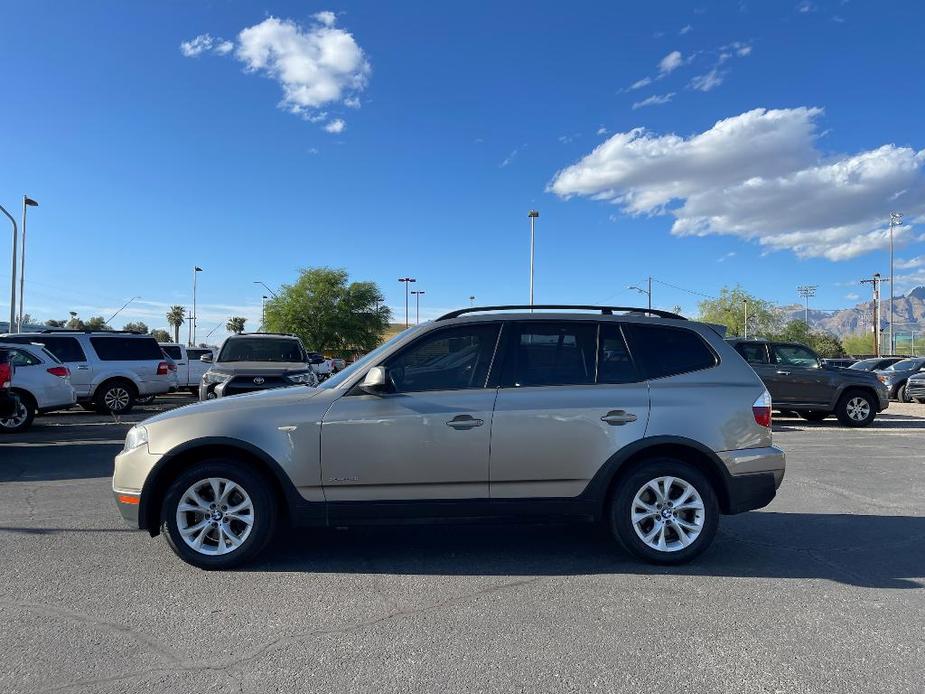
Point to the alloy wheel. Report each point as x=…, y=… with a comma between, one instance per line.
x=667, y=514
x=215, y=516
x=17, y=419
x=858, y=409
x=116, y=399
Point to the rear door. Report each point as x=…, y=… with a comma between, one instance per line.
x=802, y=378
x=570, y=397
x=179, y=356
x=757, y=356
x=70, y=353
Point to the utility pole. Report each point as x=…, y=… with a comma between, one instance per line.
x=533, y=214
x=417, y=305
x=875, y=285
x=745, y=301
x=12, y=327
x=807, y=291
x=192, y=323
x=896, y=219
x=650, y=292
x=406, y=281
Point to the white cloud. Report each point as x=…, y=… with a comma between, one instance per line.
x=685, y=29
x=852, y=297
x=654, y=100
x=911, y=263
x=708, y=81
x=509, y=159
x=670, y=62
x=639, y=84
x=326, y=17
x=726, y=256
x=335, y=126
x=805, y=7
x=566, y=139
x=757, y=176
x=316, y=66
x=602, y=130
x=197, y=46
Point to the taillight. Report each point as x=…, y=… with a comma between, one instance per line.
x=6, y=375
x=59, y=371
x=762, y=410
x=163, y=368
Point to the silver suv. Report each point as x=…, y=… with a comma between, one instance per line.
x=110, y=369
x=642, y=420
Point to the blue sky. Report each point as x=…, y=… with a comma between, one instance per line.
x=149, y=156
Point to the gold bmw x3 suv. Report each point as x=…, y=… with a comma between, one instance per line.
x=637, y=418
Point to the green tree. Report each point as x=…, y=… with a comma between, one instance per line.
x=235, y=324
x=176, y=316
x=74, y=323
x=52, y=323
x=160, y=335
x=859, y=343
x=329, y=313
x=729, y=309
x=137, y=327
x=97, y=323
x=823, y=343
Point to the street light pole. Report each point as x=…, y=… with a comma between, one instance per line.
x=417, y=307
x=533, y=214
x=745, y=301
x=12, y=327
x=263, y=313
x=275, y=295
x=896, y=219
x=472, y=300
x=192, y=323
x=114, y=314
x=406, y=281
x=26, y=203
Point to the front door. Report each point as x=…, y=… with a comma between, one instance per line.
x=567, y=403
x=774, y=379
x=426, y=439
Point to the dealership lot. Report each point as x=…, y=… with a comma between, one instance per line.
x=821, y=591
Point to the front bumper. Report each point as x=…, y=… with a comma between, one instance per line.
x=755, y=474
x=128, y=478
x=915, y=389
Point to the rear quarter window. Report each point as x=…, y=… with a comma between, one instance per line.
x=668, y=351
x=126, y=348
x=172, y=352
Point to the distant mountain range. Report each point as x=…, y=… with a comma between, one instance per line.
x=909, y=313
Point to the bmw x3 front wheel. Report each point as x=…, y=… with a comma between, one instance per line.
x=218, y=514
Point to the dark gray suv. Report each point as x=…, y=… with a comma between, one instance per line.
x=799, y=382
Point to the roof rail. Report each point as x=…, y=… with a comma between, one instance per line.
x=605, y=310
x=85, y=331
x=260, y=332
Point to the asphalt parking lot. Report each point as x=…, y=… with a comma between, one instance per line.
x=822, y=591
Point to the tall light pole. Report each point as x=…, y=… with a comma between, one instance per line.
x=406, y=281
x=896, y=219
x=533, y=214
x=27, y=202
x=647, y=292
x=417, y=306
x=192, y=322
x=745, y=301
x=12, y=327
x=275, y=295
x=807, y=291
x=114, y=314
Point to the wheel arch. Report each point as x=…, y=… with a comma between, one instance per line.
x=179, y=458
x=868, y=390
x=111, y=378
x=25, y=394
x=630, y=457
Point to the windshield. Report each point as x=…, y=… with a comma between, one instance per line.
x=906, y=364
x=863, y=364
x=262, y=349
x=361, y=363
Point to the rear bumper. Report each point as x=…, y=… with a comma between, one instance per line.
x=755, y=474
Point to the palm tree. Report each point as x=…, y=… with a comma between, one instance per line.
x=175, y=318
x=235, y=325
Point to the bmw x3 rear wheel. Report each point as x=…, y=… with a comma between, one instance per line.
x=218, y=514
x=665, y=512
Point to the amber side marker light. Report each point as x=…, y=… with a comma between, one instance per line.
x=126, y=499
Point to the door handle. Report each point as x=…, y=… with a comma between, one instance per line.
x=83, y=367
x=783, y=373
x=618, y=417
x=464, y=421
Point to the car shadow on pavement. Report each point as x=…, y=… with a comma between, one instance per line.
x=22, y=461
x=859, y=550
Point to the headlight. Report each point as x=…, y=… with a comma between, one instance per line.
x=215, y=377
x=137, y=436
x=883, y=378
x=304, y=378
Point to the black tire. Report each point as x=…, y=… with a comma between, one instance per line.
x=901, y=394
x=115, y=391
x=264, y=516
x=88, y=406
x=193, y=391
x=920, y=401
x=621, y=509
x=847, y=412
x=22, y=418
x=814, y=415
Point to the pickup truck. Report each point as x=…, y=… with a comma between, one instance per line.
x=189, y=366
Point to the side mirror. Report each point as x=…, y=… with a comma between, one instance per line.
x=207, y=358
x=376, y=381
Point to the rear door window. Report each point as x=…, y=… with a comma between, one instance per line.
x=664, y=350
x=551, y=354
x=126, y=348
x=614, y=364
x=795, y=355
x=753, y=352
x=173, y=352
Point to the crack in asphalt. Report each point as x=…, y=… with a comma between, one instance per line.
x=283, y=641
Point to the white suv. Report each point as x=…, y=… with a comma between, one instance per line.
x=110, y=369
x=40, y=381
